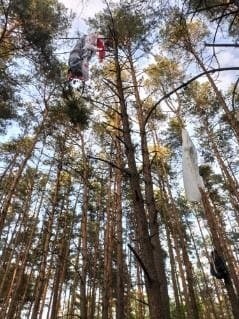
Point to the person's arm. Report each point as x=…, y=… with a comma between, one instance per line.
x=91, y=47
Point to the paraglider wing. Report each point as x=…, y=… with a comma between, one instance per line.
x=191, y=178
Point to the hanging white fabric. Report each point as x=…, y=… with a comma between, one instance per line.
x=191, y=178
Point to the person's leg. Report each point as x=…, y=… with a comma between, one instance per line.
x=85, y=69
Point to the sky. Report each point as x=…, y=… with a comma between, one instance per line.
x=227, y=57
x=86, y=7
x=83, y=9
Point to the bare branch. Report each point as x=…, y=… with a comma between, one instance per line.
x=110, y=163
x=186, y=84
x=140, y=261
x=234, y=94
x=235, y=45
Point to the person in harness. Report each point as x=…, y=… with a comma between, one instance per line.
x=81, y=55
x=218, y=266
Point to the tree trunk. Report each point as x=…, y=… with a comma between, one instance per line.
x=84, y=236
x=63, y=236
x=159, y=254
x=179, y=313
x=146, y=248
x=234, y=299
x=47, y=232
x=108, y=252
x=120, y=300
x=18, y=174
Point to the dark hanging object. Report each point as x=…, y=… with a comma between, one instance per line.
x=218, y=266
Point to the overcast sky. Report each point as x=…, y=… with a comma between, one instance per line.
x=83, y=9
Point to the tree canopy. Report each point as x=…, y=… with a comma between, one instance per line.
x=96, y=221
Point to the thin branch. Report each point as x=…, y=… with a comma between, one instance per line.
x=141, y=301
x=234, y=93
x=110, y=163
x=140, y=261
x=232, y=22
x=186, y=84
x=225, y=15
x=235, y=45
x=198, y=10
x=215, y=35
x=69, y=38
x=71, y=315
x=76, y=38
x=111, y=85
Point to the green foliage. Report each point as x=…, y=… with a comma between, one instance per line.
x=200, y=99
x=41, y=20
x=44, y=219
x=7, y=113
x=33, y=24
x=180, y=33
x=75, y=107
x=213, y=182
x=163, y=74
x=175, y=128
x=178, y=313
x=77, y=112
x=121, y=23
x=223, y=12
x=8, y=101
x=129, y=26
x=28, y=29
x=162, y=70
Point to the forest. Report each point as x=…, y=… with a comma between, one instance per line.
x=95, y=220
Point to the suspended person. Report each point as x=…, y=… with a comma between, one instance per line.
x=81, y=54
x=218, y=266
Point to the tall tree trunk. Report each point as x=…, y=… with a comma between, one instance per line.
x=10, y=166
x=75, y=280
x=230, y=180
x=159, y=254
x=234, y=299
x=178, y=232
x=146, y=248
x=179, y=313
x=61, y=241
x=13, y=295
x=120, y=300
x=217, y=294
x=18, y=174
x=47, y=232
x=208, y=302
x=108, y=252
x=193, y=305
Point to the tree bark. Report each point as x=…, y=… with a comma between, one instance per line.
x=159, y=254
x=234, y=299
x=18, y=174
x=47, y=233
x=146, y=248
